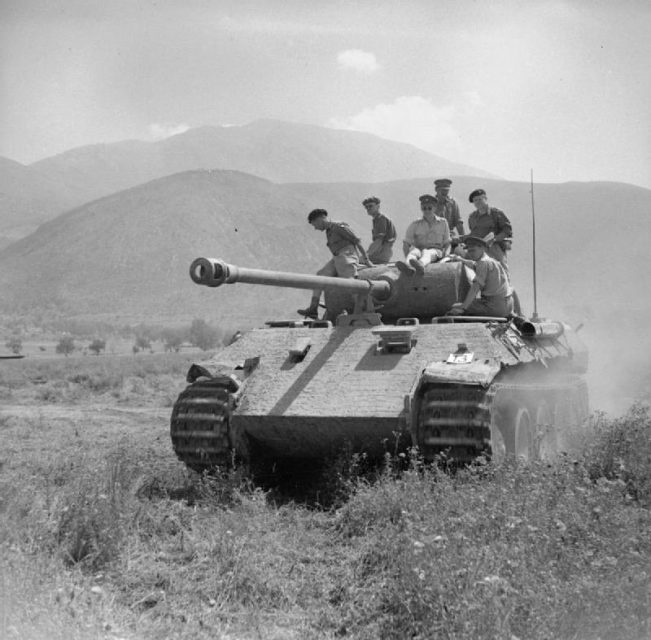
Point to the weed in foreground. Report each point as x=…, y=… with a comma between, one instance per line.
x=621, y=450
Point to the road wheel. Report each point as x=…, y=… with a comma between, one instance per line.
x=522, y=432
x=498, y=445
x=546, y=446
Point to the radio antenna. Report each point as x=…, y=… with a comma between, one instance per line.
x=534, y=318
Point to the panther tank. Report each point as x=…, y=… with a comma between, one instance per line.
x=384, y=368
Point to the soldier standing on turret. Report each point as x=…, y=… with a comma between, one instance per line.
x=383, y=233
x=491, y=220
x=486, y=219
x=346, y=250
x=447, y=207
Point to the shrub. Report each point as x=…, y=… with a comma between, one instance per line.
x=14, y=344
x=97, y=346
x=65, y=346
x=203, y=335
x=172, y=339
x=621, y=450
x=142, y=343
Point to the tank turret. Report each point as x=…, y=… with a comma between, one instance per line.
x=392, y=366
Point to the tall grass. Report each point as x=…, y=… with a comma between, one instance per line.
x=620, y=451
x=537, y=552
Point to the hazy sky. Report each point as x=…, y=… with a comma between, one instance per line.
x=562, y=87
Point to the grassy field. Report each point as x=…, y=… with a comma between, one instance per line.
x=104, y=534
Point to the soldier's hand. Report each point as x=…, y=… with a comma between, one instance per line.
x=456, y=310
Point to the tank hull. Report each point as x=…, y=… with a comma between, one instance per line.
x=304, y=391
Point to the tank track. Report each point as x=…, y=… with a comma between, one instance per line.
x=200, y=426
x=454, y=420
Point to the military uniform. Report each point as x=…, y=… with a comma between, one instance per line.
x=384, y=230
x=342, y=243
x=496, y=293
x=493, y=221
x=346, y=249
x=425, y=236
x=446, y=206
x=383, y=233
x=426, y=239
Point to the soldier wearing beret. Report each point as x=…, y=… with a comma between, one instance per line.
x=491, y=282
x=486, y=219
x=383, y=232
x=491, y=220
x=448, y=208
x=346, y=249
x=426, y=240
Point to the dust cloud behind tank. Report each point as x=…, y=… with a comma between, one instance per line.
x=384, y=363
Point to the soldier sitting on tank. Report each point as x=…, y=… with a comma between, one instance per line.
x=346, y=250
x=426, y=240
x=491, y=282
x=383, y=233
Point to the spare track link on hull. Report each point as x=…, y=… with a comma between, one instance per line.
x=454, y=420
x=200, y=426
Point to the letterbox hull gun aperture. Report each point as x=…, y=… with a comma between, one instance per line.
x=384, y=364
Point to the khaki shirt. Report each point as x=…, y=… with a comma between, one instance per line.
x=491, y=278
x=339, y=236
x=383, y=228
x=425, y=235
x=446, y=207
x=493, y=220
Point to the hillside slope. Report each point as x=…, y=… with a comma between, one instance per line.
x=277, y=151
x=27, y=198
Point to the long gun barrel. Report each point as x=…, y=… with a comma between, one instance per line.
x=213, y=273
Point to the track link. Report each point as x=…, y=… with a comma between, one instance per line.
x=200, y=425
x=455, y=419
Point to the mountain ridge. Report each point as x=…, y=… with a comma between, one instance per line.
x=272, y=149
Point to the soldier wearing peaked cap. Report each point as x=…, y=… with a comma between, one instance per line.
x=383, y=232
x=447, y=207
x=426, y=240
x=491, y=282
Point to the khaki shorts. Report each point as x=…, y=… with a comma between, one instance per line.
x=425, y=255
x=383, y=254
x=495, y=306
x=343, y=265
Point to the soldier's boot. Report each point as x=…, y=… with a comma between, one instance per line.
x=403, y=267
x=312, y=311
x=417, y=265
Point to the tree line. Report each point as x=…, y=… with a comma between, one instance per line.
x=199, y=333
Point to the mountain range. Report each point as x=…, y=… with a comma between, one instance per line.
x=278, y=151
